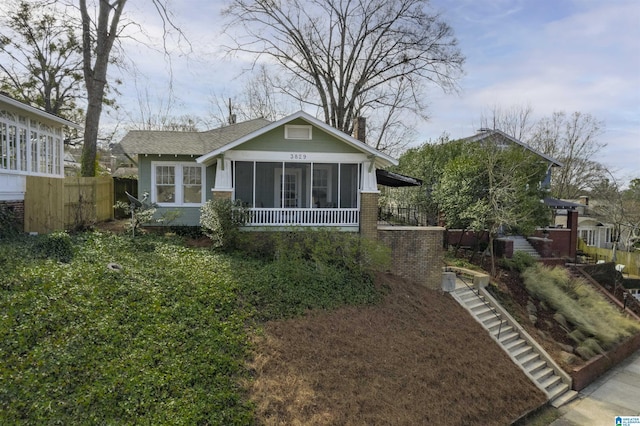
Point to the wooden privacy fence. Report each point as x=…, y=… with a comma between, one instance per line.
x=631, y=260
x=53, y=204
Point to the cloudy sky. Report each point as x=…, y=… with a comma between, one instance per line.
x=550, y=55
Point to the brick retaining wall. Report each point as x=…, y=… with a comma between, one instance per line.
x=417, y=252
x=600, y=364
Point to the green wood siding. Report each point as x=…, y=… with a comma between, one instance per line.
x=274, y=141
x=189, y=216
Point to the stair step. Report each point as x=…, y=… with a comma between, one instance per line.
x=486, y=315
x=543, y=374
x=557, y=390
x=535, y=365
x=516, y=345
x=551, y=381
x=506, y=328
x=564, y=398
x=493, y=325
x=506, y=338
x=528, y=357
x=477, y=305
x=522, y=352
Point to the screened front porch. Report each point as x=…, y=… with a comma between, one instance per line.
x=298, y=193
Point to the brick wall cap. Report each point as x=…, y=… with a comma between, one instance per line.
x=410, y=228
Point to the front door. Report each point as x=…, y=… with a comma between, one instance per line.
x=288, y=188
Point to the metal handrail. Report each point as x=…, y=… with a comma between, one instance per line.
x=493, y=310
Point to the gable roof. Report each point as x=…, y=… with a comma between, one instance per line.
x=487, y=134
x=187, y=143
x=4, y=98
x=381, y=159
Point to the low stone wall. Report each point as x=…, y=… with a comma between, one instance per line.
x=417, y=252
x=600, y=364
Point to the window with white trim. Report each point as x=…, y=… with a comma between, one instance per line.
x=296, y=131
x=177, y=184
x=29, y=146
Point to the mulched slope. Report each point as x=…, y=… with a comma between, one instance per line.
x=417, y=358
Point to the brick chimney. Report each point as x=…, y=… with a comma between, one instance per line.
x=360, y=129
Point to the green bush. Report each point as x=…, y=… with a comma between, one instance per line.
x=9, y=226
x=56, y=246
x=221, y=220
x=315, y=269
x=519, y=262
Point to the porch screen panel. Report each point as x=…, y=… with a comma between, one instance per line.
x=243, y=183
x=325, y=185
x=348, y=186
x=265, y=186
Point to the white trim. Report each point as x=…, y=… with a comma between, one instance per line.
x=223, y=175
x=382, y=160
x=178, y=183
x=38, y=112
x=295, y=157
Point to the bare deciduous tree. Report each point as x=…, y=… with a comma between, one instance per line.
x=349, y=52
x=101, y=28
x=516, y=121
x=573, y=140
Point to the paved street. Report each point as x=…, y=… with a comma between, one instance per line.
x=617, y=393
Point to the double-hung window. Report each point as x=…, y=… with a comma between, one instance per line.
x=177, y=184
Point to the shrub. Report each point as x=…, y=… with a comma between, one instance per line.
x=519, y=262
x=221, y=220
x=581, y=305
x=142, y=214
x=56, y=246
x=307, y=269
x=8, y=223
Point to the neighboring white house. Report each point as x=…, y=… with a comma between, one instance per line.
x=31, y=143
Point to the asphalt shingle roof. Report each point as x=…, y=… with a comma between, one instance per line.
x=187, y=143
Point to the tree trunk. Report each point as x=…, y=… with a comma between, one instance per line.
x=91, y=125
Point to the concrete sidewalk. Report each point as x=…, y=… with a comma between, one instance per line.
x=617, y=393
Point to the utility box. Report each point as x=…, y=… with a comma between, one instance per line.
x=448, y=281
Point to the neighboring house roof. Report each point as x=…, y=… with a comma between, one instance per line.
x=487, y=134
x=187, y=143
x=381, y=159
x=561, y=204
x=40, y=113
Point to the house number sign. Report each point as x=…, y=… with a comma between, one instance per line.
x=297, y=156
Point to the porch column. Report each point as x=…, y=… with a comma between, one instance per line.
x=223, y=185
x=369, y=201
x=369, y=214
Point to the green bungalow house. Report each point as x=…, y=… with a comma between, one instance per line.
x=297, y=171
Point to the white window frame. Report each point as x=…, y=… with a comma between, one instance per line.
x=291, y=131
x=28, y=146
x=178, y=183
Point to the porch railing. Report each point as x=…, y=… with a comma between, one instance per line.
x=303, y=217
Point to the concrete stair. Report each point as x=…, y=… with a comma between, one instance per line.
x=521, y=244
x=520, y=347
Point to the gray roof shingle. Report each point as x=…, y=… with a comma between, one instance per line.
x=187, y=143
